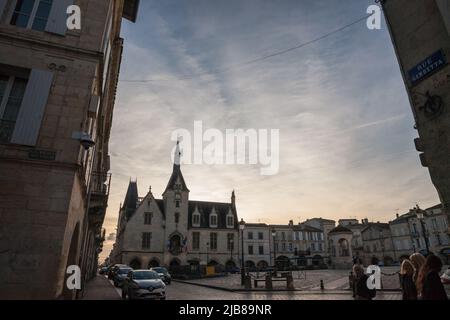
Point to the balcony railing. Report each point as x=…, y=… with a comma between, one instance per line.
x=100, y=183
x=6, y=130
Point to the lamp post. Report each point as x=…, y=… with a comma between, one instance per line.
x=421, y=217
x=274, y=234
x=242, y=227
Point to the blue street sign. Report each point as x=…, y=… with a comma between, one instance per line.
x=428, y=66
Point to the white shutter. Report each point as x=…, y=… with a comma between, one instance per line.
x=32, y=108
x=57, y=19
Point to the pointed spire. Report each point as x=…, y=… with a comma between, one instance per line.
x=177, y=156
x=233, y=197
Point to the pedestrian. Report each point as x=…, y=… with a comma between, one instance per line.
x=407, y=284
x=429, y=285
x=417, y=261
x=360, y=289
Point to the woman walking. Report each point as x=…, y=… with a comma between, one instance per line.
x=417, y=261
x=429, y=285
x=408, y=286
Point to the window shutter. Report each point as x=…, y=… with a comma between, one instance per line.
x=57, y=20
x=2, y=7
x=32, y=109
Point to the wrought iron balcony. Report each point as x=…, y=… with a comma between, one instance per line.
x=100, y=183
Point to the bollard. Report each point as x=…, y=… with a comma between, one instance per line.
x=247, y=282
x=322, y=287
x=269, y=285
x=290, y=282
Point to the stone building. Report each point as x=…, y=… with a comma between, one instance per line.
x=339, y=243
x=175, y=231
x=420, y=33
x=326, y=225
x=378, y=245
x=57, y=91
x=411, y=234
x=258, y=246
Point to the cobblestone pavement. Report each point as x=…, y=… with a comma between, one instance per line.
x=309, y=279
x=182, y=291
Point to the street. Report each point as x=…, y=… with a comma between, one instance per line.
x=102, y=289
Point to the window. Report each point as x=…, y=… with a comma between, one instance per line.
x=313, y=247
x=230, y=221
x=283, y=236
x=290, y=246
x=213, y=220
x=31, y=14
x=146, y=239
x=438, y=239
x=250, y=235
x=260, y=235
x=12, y=90
x=148, y=218
x=230, y=241
x=177, y=204
x=196, y=219
x=213, y=241
x=261, y=250
x=283, y=246
x=300, y=235
x=195, y=240
x=177, y=217
x=320, y=247
x=250, y=249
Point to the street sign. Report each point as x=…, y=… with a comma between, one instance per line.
x=427, y=67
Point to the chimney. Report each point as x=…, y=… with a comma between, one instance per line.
x=291, y=222
x=397, y=215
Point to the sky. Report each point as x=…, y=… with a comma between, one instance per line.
x=345, y=124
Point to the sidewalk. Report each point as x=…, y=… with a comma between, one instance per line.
x=100, y=288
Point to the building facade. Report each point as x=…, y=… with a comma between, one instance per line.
x=175, y=231
x=378, y=244
x=420, y=33
x=258, y=246
x=57, y=91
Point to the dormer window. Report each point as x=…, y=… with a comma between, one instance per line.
x=177, y=217
x=230, y=220
x=213, y=219
x=196, y=218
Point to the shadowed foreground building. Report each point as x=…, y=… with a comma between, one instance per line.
x=57, y=89
x=420, y=33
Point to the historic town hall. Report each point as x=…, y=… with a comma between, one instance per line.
x=175, y=231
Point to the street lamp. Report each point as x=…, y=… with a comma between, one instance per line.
x=242, y=227
x=421, y=217
x=274, y=234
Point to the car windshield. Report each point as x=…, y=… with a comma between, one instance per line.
x=145, y=274
x=160, y=270
x=124, y=271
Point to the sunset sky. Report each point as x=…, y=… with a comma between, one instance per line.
x=346, y=128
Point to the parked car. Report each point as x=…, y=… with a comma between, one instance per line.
x=143, y=284
x=234, y=270
x=112, y=270
x=103, y=270
x=163, y=273
x=120, y=275
x=445, y=278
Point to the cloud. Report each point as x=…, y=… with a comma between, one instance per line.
x=346, y=130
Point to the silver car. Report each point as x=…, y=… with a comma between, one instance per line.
x=143, y=284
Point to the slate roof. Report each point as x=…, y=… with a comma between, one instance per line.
x=340, y=229
x=305, y=227
x=205, y=209
x=131, y=199
x=176, y=172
